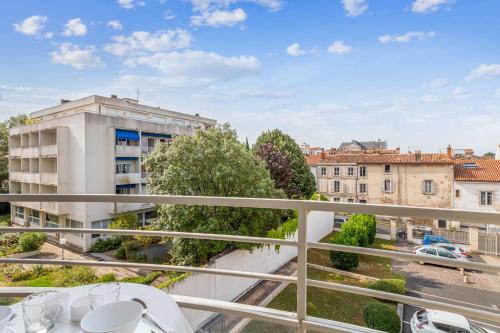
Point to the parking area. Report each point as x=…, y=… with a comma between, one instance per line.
x=482, y=291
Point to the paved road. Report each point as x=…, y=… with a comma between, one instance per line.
x=446, y=285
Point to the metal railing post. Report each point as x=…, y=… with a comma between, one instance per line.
x=302, y=269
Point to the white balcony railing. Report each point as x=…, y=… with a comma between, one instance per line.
x=15, y=152
x=50, y=150
x=127, y=178
x=50, y=207
x=48, y=178
x=30, y=152
x=299, y=320
x=128, y=151
x=25, y=177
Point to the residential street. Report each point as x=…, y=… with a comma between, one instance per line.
x=446, y=285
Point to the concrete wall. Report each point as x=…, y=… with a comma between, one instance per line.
x=263, y=260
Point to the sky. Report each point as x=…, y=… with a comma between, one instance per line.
x=420, y=74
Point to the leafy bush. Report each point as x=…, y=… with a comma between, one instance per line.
x=318, y=197
x=8, y=271
x=395, y=286
x=110, y=277
x=31, y=241
x=9, y=239
x=369, y=224
x=381, y=317
x=120, y=253
x=5, y=220
x=344, y=260
x=103, y=245
x=148, y=279
x=352, y=228
x=74, y=276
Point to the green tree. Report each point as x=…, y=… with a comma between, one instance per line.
x=5, y=126
x=147, y=241
x=302, y=183
x=368, y=224
x=125, y=222
x=210, y=163
x=489, y=155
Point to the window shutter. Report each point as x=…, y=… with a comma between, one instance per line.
x=433, y=187
x=423, y=186
x=392, y=186
x=383, y=188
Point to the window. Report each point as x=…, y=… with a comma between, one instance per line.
x=362, y=201
x=323, y=171
x=35, y=217
x=336, y=199
x=463, y=330
x=74, y=225
x=350, y=171
x=336, y=186
x=442, y=327
x=103, y=224
x=362, y=188
x=428, y=187
x=362, y=171
x=350, y=200
x=51, y=221
x=432, y=252
x=20, y=212
x=387, y=186
x=123, y=168
x=122, y=190
x=441, y=223
x=387, y=168
x=336, y=171
x=123, y=142
x=486, y=198
x=457, y=193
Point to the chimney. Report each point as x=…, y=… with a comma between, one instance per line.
x=449, y=152
x=64, y=101
x=196, y=114
x=114, y=96
x=418, y=155
x=497, y=156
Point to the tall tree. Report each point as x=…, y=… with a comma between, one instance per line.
x=302, y=183
x=211, y=163
x=278, y=164
x=125, y=222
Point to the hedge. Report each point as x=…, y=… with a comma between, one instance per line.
x=380, y=317
x=344, y=260
x=31, y=241
x=395, y=286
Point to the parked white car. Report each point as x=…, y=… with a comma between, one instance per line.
x=436, y=251
x=456, y=249
x=436, y=321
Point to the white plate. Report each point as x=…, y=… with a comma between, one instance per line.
x=9, y=330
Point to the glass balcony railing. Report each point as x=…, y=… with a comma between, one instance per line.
x=297, y=321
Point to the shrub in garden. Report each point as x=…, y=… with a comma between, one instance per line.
x=344, y=260
x=110, y=277
x=395, y=286
x=9, y=239
x=103, y=245
x=74, y=276
x=31, y=241
x=318, y=197
x=381, y=317
x=354, y=228
x=8, y=271
x=369, y=223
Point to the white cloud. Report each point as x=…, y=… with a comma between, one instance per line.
x=168, y=15
x=426, y=6
x=80, y=58
x=497, y=93
x=354, y=7
x=460, y=92
x=144, y=41
x=295, y=50
x=199, y=67
x=209, y=5
x=32, y=25
x=75, y=27
x=115, y=25
x=405, y=38
x=48, y=35
x=129, y=4
x=439, y=82
x=339, y=47
x=219, y=18
x=484, y=71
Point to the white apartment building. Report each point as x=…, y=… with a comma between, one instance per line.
x=92, y=145
x=477, y=186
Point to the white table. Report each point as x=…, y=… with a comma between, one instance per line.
x=161, y=305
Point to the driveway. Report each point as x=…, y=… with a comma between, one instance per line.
x=446, y=285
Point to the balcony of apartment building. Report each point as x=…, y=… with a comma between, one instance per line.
x=214, y=289
x=127, y=143
x=150, y=140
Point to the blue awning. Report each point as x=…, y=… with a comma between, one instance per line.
x=127, y=135
x=131, y=158
x=125, y=186
x=157, y=135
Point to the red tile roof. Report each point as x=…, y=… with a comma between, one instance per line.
x=380, y=159
x=484, y=170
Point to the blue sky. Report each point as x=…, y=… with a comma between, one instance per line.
x=418, y=73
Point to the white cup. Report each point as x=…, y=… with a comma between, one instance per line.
x=79, y=307
x=5, y=315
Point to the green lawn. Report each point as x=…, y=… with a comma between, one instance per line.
x=331, y=304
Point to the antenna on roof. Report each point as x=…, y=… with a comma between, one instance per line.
x=137, y=95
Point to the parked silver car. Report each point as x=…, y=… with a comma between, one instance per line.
x=436, y=251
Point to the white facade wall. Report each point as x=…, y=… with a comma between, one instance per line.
x=263, y=260
x=469, y=196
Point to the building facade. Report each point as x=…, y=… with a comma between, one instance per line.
x=397, y=179
x=477, y=187
x=93, y=145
